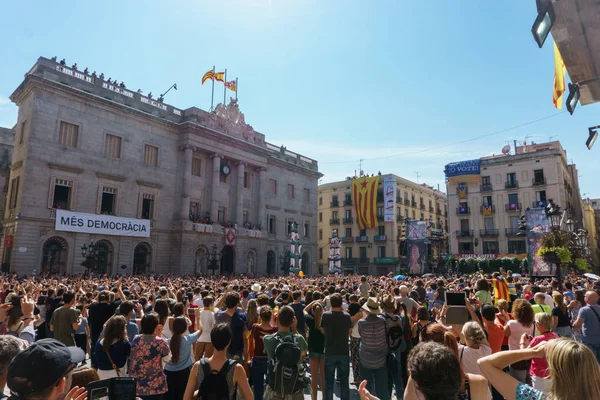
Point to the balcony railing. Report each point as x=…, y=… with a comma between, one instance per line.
x=334, y=221
x=539, y=204
x=422, y=206
x=491, y=209
x=380, y=218
x=385, y=260
x=512, y=207
x=485, y=188
x=406, y=202
x=348, y=202
x=413, y=204
x=348, y=220
x=361, y=239
x=349, y=260
x=538, y=181
x=463, y=210
x=464, y=233
x=380, y=238
x=511, y=231
x=364, y=260
x=488, y=232
x=399, y=199
x=431, y=209
x=400, y=218
x=348, y=239
x=334, y=203
x=438, y=210
x=511, y=185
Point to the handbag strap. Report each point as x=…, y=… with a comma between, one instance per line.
x=597, y=316
x=117, y=370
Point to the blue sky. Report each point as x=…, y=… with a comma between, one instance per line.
x=335, y=80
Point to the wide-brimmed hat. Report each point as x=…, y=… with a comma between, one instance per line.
x=389, y=304
x=256, y=287
x=372, y=306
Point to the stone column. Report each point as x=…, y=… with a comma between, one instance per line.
x=239, y=208
x=261, y=216
x=187, y=182
x=216, y=170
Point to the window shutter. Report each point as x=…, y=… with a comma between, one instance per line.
x=99, y=199
x=73, y=199
x=51, y=192
x=139, y=208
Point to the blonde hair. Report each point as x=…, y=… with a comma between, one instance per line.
x=545, y=320
x=566, y=359
x=473, y=332
x=503, y=304
x=252, y=312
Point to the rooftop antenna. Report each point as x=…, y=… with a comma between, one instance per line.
x=418, y=175
x=360, y=166
x=551, y=137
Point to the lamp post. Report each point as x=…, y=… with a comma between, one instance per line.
x=213, y=257
x=90, y=253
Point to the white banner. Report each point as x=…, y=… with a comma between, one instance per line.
x=389, y=198
x=71, y=221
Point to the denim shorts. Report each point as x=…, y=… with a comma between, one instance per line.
x=316, y=356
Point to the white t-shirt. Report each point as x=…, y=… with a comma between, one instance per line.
x=207, y=320
x=516, y=331
x=549, y=301
x=408, y=302
x=469, y=356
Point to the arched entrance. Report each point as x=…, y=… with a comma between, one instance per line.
x=200, y=261
x=227, y=260
x=305, y=262
x=54, y=255
x=142, y=258
x=271, y=262
x=104, y=259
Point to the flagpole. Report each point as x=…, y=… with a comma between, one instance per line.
x=225, y=87
x=236, y=88
x=212, y=97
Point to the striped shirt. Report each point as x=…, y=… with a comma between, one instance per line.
x=373, y=348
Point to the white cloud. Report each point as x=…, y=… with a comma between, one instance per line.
x=4, y=101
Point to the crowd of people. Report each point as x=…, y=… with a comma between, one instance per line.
x=201, y=337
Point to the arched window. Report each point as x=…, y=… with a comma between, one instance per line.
x=54, y=255
x=142, y=258
x=104, y=259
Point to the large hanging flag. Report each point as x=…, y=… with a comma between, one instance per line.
x=231, y=86
x=364, y=193
x=220, y=76
x=559, y=78
x=209, y=75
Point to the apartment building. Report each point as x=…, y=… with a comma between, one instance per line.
x=375, y=250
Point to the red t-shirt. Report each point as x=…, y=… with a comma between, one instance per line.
x=539, y=366
x=257, y=334
x=192, y=316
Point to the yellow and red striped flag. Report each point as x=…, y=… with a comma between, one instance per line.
x=220, y=76
x=209, y=75
x=500, y=290
x=364, y=193
x=559, y=79
x=231, y=86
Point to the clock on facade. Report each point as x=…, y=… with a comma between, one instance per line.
x=226, y=170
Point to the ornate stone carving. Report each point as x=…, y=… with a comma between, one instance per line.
x=231, y=119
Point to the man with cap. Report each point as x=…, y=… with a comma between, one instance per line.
x=10, y=346
x=43, y=371
x=373, y=349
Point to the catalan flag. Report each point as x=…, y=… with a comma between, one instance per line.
x=500, y=290
x=559, y=79
x=231, y=86
x=209, y=75
x=364, y=193
x=220, y=76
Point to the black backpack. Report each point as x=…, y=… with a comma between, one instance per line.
x=214, y=385
x=395, y=333
x=286, y=375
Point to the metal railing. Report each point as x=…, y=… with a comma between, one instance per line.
x=348, y=220
x=512, y=207
x=334, y=221
x=511, y=184
x=488, y=232
x=464, y=233
x=485, y=188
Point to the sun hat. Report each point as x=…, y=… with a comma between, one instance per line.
x=372, y=306
x=255, y=287
x=389, y=304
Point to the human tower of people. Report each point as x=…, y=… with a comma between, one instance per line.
x=206, y=337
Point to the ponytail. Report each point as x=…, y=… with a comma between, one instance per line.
x=179, y=327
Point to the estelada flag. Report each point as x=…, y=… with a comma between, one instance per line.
x=364, y=193
x=209, y=75
x=501, y=290
x=559, y=79
x=231, y=86
x=220, y=76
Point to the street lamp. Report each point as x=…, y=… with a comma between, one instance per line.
x=553, y=214
x=90, y=253
x=570, y=225
x=573, y=97
x=543, y=23
x=582, y=238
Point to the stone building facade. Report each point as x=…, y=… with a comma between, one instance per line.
x=205, y=180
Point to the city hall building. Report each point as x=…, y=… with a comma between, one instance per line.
x=103, y=177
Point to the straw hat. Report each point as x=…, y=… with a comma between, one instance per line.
x=372, y=306
x=389, y=304
x=256, y=287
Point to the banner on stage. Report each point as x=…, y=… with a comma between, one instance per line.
x=70, y=221
x=537, y=226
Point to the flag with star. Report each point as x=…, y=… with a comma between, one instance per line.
x=364, y=194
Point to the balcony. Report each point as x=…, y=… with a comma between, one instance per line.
x=334, y=203
x=539, y=204
x=385, y=260
x=400, y=218
x=380, y=197
x=511, y=185
x=490, y=210
x=364, y=260
x=422, y=206
x=380, y=218
x=438, y=211
x=347, y=201
x=488, y=232
x=349, y=261
x=464, y=233
x=485, y=188
x=334, y=221
x=348, y=239
x=348, y=220
x=406, y=202
x=512, y=207
x=413, y=204
x=399, y=199
x=361, y=239
x=511, y=231
x=463, y=210
x=431, y=209
x=380, y=238
x=540, y=181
